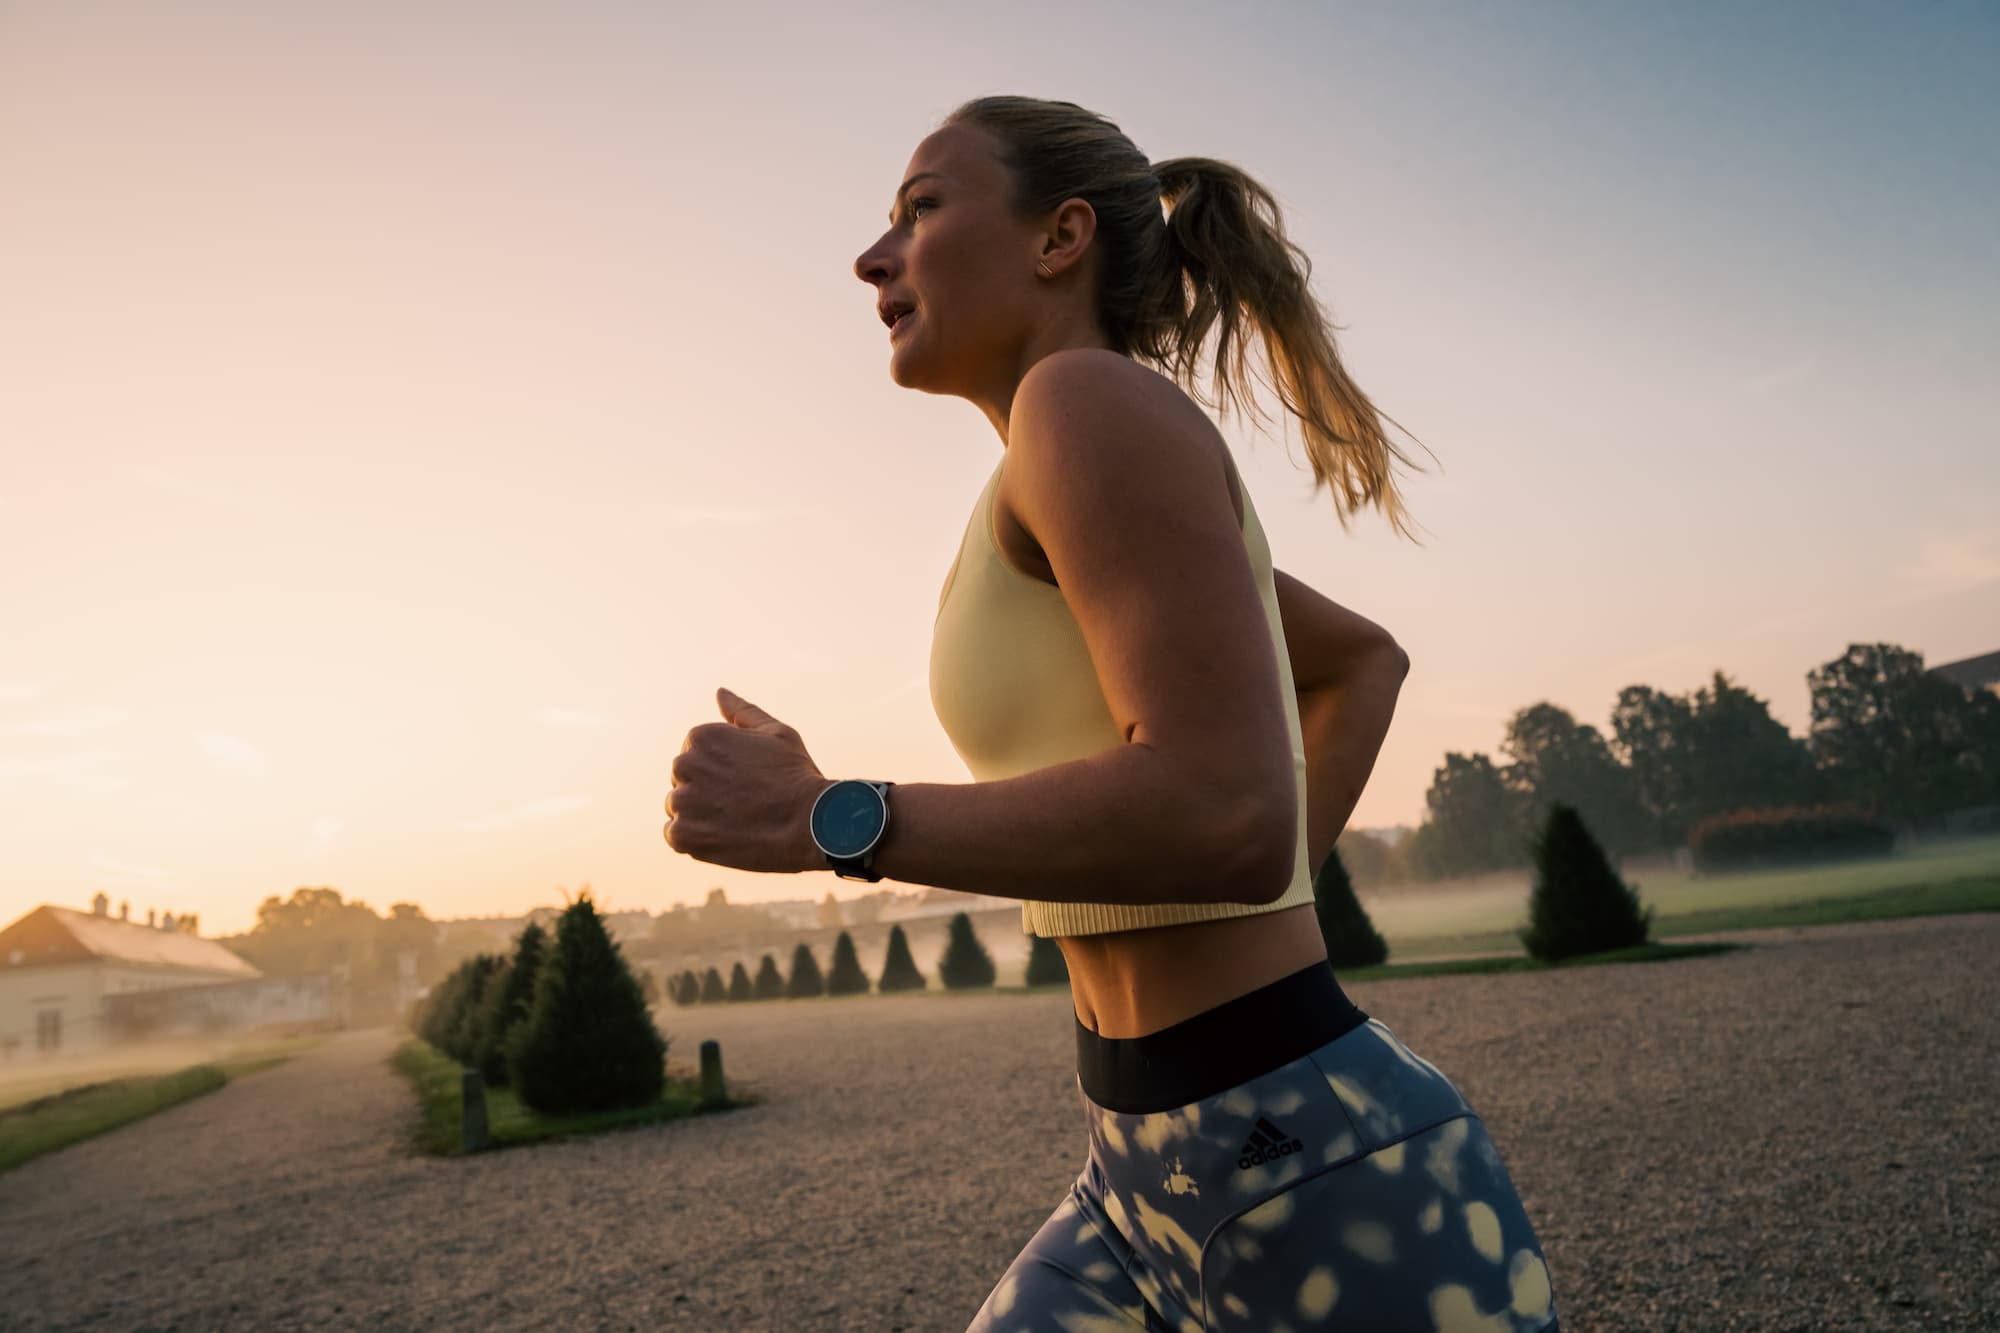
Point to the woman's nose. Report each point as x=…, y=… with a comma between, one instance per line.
x=873, y=266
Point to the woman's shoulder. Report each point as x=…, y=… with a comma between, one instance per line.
x=1092, y=409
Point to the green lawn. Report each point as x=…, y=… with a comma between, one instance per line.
x=1481, y=916
x=31, y=1127
x=437, y=1080
x=1655, y=952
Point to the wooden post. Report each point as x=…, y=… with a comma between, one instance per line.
x=473, y=1135
x=711, y=1074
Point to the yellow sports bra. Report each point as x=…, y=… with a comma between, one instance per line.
x=1014, y=688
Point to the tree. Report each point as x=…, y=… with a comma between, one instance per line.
x=1473, y=825
x=1367, y=856
x=508, y=1003
x=440, y=1016
x=1556, y=759
x=588, y=1042
x=1578, y=904
x=1351, y=938
x=740, y=987
x=965, y=964
x=1656, y=735
x=770, y=983
x=687, y=989
x=1897, y=738
x=712, y=989
x=406, y=930
x=805, y=981
x=1046, y=964
x=899, y=970
x=1706, y=753
x=846, y=976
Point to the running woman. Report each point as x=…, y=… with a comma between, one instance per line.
x=1166, y=734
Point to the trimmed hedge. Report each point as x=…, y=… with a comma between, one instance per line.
x=509, y=998
x=965, y=964
x=806, y=980
x=588, y=1042
x=1579, y=904
x=1787, y=835
x=1046, y=964
x=846, y=978
x=770, y=983
x=1351, y=938
x=899, y=970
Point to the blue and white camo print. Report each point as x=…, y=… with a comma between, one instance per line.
x=1351, y=1189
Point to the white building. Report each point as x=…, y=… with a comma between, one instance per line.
x=59, y=967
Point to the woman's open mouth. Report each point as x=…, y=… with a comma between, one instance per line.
x=902, y=322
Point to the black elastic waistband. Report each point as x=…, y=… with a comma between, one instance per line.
x=1218, y=1048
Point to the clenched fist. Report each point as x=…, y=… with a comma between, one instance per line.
x=742, y=792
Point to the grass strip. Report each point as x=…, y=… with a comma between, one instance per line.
x=1976, y=894
x=53, y=1122
x=57, y=1119
x=1656, y=952
x=438, y=1082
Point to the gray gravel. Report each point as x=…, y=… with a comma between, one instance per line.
x=1793, y=1137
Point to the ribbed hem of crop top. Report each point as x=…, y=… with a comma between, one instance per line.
x=1051, y=919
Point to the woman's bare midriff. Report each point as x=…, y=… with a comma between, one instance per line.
x=1131, y=982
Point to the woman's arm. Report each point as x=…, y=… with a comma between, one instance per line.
x=1118, y=479
x=1348, y=671
x=1343, y=726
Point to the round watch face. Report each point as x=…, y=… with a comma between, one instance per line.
x=847, y=818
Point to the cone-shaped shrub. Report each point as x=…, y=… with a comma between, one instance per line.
x=440, y=1008
x=1046, y=964
x=806, y=981
x=1579, y=905
x=588, y=1043
x=739, y=984
x=687, y=989
x=846, y=978
x=461, y=1033
x=1351, y=938
x=712, y=989
x=770, y=983
x=899, y=970
x=965, y=963
x=508, y=1000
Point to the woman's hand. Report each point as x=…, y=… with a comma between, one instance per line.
x=742, y=792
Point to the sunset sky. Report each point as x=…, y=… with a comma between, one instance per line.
x=409, y=415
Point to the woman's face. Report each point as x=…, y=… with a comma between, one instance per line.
x=959, y=262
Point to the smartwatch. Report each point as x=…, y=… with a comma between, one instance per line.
x=848, y=820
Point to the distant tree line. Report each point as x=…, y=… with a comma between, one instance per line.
x=966, y=965
x=1889, y=741
x=316, y=930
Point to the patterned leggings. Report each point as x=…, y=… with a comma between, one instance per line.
x=1350, y=1187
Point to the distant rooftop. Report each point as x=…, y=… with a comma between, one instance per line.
x=52, y=935
x=1972, y=672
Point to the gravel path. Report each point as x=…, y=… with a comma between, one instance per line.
x=1791, y=1137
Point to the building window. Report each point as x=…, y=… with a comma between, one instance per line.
x=48, y=1029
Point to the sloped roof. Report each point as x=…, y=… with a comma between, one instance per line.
x=1971, y=672
x=52, y=935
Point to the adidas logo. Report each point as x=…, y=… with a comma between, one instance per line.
x=1267, y=1143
